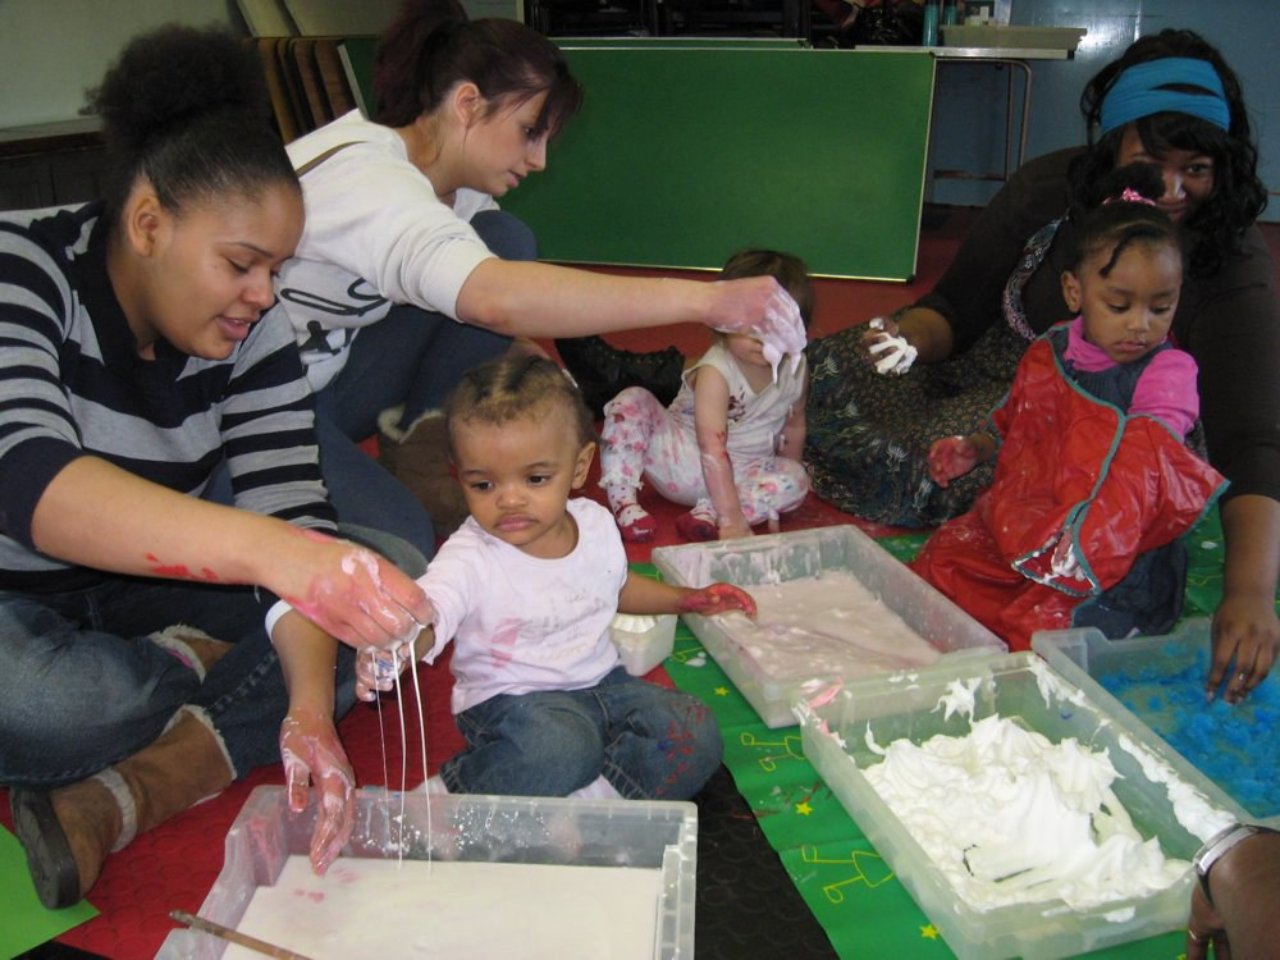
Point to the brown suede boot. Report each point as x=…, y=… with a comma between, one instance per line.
x=419, y=458
x=69, y=832
x=194, y=647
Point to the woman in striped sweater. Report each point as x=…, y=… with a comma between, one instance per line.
x=140, y=350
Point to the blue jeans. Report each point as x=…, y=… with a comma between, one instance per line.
x=649, y=742
x=412, y=357
x=81, y=686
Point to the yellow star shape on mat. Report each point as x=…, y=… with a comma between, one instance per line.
x=722, y=691
x=803, y=808
x=929, y=932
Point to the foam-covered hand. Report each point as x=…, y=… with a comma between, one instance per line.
x=313, y=757
x=378, y=668
x=761, y=308
x=886, y=349
x=349, y=591
x=951, y=457
x=718, y=598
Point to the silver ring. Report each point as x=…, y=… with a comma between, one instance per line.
x=1193, y=937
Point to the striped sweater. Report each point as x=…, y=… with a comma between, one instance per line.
x=72, y=384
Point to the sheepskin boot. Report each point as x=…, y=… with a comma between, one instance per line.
x=69, y=832
x=193, y=647
x=419, y=458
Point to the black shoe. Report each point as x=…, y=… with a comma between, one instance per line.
x=603, y=371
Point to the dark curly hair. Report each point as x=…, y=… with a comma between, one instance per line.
x=187, y=108
x=513, y=388
x=432, y=46
x=1238, y=196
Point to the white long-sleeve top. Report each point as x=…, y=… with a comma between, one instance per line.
x=521, y=623
x=376, y=234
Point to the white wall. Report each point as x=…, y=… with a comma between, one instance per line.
x=52, y=50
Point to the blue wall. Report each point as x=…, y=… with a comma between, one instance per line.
x=969, y=123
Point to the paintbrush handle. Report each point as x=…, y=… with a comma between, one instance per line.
x=234, y=936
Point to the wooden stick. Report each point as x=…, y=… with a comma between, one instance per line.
x=234, y=936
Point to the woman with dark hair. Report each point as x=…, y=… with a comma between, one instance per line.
x=404, y=238
x=880, y=396
x=145, y=661
x=1169, y=100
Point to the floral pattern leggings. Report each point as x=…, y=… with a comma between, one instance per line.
x=643, y=440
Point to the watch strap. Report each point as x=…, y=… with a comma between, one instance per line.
x=1218, y=846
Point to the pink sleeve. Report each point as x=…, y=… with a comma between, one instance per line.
x=1167, y=390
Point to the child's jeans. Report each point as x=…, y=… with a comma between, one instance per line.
x=647, y=741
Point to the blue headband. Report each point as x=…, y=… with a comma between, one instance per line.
x=1138, y=93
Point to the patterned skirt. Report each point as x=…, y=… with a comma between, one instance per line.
x=869, y=435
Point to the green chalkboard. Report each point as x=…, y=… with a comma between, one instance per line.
x=357, y=60
x=682, y=155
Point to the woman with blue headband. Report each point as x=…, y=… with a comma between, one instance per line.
x=1169, y=100
x=880, y=395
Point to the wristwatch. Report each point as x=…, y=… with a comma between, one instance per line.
x=1216, y=848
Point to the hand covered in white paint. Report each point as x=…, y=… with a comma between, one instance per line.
x=759, y=307
x=377, y=669
x=313, y=757
x=886, y=348
x=348, y=591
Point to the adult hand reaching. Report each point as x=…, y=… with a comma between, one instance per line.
x=349, y=591
x=886, y=349
x=1246, y=634
x=759, y=307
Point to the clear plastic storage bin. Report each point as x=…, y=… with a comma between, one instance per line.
x=1022, y=687
x=1152, y=673
x=536, y=830
x=643, y=642
x=770, y=689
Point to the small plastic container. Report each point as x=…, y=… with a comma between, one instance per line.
x=770, y=559
x=536, y=830
x=1022, y=687
x=643, y=642
x=1143, y=665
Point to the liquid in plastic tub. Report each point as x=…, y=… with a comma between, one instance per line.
x=472, y=833
x=771, y=663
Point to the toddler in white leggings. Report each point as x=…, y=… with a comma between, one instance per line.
x=729, y=445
